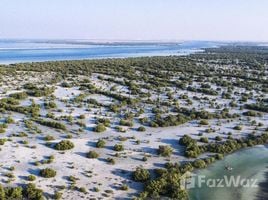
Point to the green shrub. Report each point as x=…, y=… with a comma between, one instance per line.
x=100, y=143
x=121, y=138
x=110, y=161
x=144, y=158
x=104, y=121
x=118, y=147
x=120, y=129
x=50, y=105
x=203, y=122
x=165, y=151
x=239, y=128
x=19, y=95
x=192, y=149
x=218, y=138
x=2, y=141
x=82, y=117
x=250, y=113
x=141, y=128
x=2, y=193
x=48, y=173
x=199, y=164
x=99, y=128
x=13, y=193
x=69, y=136
x=72, y=179
x=31, y=178
x=141, y=175
x=52, y=124
x=2, y=130
x=92, y=154
x=57, y=195
x=64, y=145
x=186, y=140
x=49, y=138
x=83, y=190
x=204, y=139
x=9, y=120
x=219, y=156
x=123, y=122
x=33, y=193
x=124, y=187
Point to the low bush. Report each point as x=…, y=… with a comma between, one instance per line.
x=203, y=122
x=165, y=151
x=239, y=128
x=50, y=105
x=99, y=128
x=9, y=120
x=123, y=122
x=104, y=121
x=47, y=173
x=100, y=143
x=199, y=164
x=110, y=161
x=52, y=124
x=64, y=145
x=218, y=138
x=31, y=178
x=2, y=141
x=11, y=192
x=124, y=187
x=49, y=138
x=118, y=147
x=57, y=195
x=204, y=139
x=92, y=154
x=141, y=175
x=19, y=95
x=141, y=128
x=33, y=193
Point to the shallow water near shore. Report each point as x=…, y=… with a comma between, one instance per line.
x=13, y=51
x=249, y=164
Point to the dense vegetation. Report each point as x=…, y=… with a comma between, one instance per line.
x=29, y=191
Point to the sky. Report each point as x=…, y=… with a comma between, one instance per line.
x=228, y=20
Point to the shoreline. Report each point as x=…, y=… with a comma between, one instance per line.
x=30, y=52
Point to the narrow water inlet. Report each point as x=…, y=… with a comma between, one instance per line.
x=242, y=182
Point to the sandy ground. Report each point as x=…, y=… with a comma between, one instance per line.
x=97, y=173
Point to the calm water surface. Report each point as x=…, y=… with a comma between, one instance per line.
x=14, y=51
x=249, y=163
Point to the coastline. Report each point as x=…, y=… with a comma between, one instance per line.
x=34, y=51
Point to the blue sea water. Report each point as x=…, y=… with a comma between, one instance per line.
x=16, y=51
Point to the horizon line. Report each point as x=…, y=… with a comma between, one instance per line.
x=94, y=40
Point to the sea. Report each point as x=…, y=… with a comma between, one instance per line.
x=21, y=51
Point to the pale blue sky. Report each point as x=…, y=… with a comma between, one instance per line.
x=135, y=19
